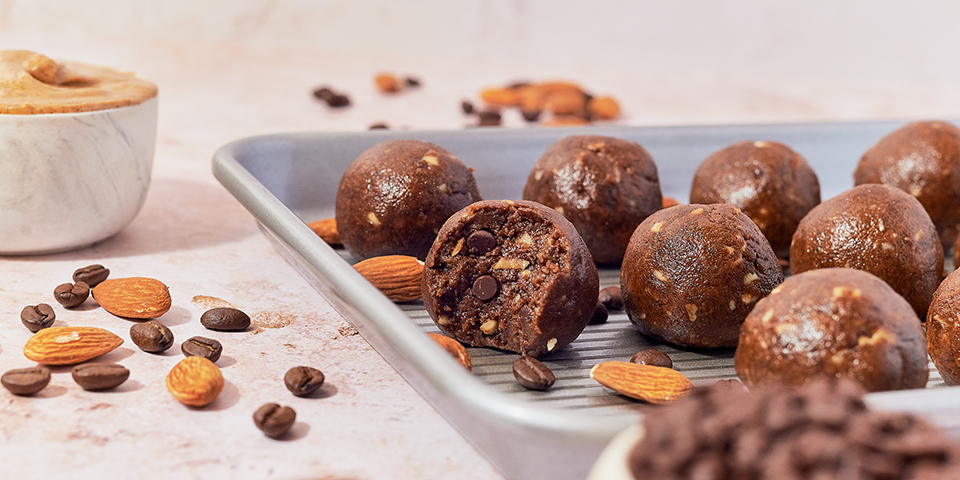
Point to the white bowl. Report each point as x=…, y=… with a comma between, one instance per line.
x=68, y=180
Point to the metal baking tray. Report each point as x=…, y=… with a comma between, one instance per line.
x=286, y=180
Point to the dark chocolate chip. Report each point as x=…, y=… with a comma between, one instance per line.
x=533, y=374
x=71, y=294
x=100, y=376
x=485, y=287
x=412, y=81
x=600, y=314
x=480, y=242
x=91, y=275
x=26, y=381
x=611, y=298
x=274, y=420
x=652, y=357
x=37, y=317
x=302, y=381
x=489, y=118
x=467, y=107
x=202, y=347
x=379, y=126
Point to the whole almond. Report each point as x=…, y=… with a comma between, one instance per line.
x=69, y=345
x=643, y=382
x=454, y=348
x=604, y=108
x=507, y=97
x=387, y=82
x=133, y=297
x=397, y=276
x=326, y=229
x=195, y=381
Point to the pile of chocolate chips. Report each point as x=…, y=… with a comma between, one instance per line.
x=822, y=431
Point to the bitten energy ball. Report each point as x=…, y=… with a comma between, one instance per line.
x=922, y=159
x=943, y=329
x=833, y=322
x=394, y=197
x=510, y=275
x=693, y=272
x=878, y=229
x=768, y=181
x=605, y=186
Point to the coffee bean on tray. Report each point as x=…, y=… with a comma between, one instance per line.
x=71, y=294
x=152, y=336
x=202, y=347
x=611, y=298
x=653, y=357
x=26, y=381
x=37, y=317
x=100, y=376
x=600, y=314
x=91, y=275
x=302, y=381
x=533, y=374
x=274, y=420
x=225, y=319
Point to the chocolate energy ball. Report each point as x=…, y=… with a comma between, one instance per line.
x=943, y=329
x=510, y=275
x=922, y=159
x=823, y=430
x=692, y=273
x=833, y=322
x=605, y=186
x=394, y=197
x=876, y=228
x=771, y=183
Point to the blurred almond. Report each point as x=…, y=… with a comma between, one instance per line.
x=327, y=230
x=397, y=276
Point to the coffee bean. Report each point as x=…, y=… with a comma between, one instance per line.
x=91, y=275
x=467, y=107
x=331, y=98
x=71, y=294
x=610, y=297
x=652, y=357
x=600, y=314
x=480, y=242
x=225, y=319
x=339, y=100
x=412, y=81
x=533, y=374
x=274, y=420
x=26, y=381
x=152, y=336
x=530, y=115
x=485, y=287
x=37, y=317
x=202, y=347
x=100, y=376
x=302, y=381
x=489, y=118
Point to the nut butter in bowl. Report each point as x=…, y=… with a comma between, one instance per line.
x=76, y=152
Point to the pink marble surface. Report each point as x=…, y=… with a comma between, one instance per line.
x=367, y=423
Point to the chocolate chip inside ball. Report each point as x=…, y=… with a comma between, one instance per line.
x=485, y=287
x=481, y=242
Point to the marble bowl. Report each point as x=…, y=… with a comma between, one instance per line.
x=69, y=180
